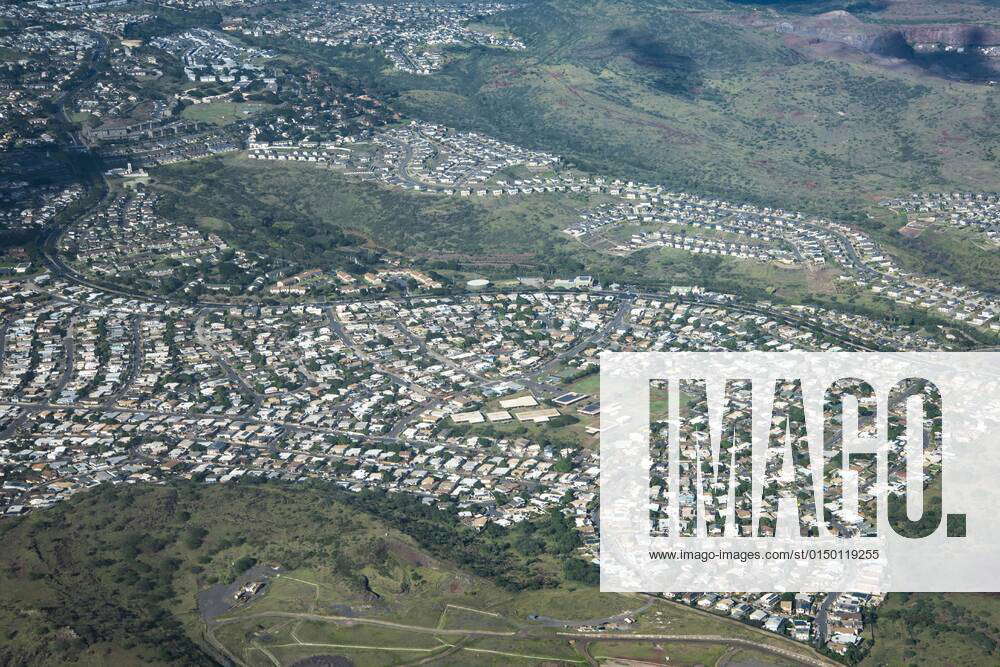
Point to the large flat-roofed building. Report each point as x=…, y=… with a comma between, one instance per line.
x=537, y=416
x=518, y=402
x=474, y=417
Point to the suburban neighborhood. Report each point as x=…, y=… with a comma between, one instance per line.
x=161, y=326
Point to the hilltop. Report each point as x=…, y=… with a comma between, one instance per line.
x=146, y=574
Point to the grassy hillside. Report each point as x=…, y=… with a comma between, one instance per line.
x=704, y=96
x=952, y=629
x=700, y=96
x=952, y=253
x=316, y=217
x=136, y=575
x=312, y=215
x=144, y=574
x=110, y=576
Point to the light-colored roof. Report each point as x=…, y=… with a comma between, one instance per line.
x=519, y=402
x=474, y=417
x=541, y=415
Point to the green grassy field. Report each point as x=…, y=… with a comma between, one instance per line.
x=589, y=384
x=676, y=653
x=502, y=635
x=222, y=113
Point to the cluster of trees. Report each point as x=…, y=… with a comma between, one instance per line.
x=508, y=556
x=117, y=590
x=924, y=617
x=168, y=21
x=486, y=554
x=975, y=270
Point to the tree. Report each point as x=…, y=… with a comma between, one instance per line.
x=576, y=569
x=243, y=564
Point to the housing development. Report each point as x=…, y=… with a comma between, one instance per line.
x=434, y=159
x=410, y=35
x=979, y=211
x=341, y=248
x=474, y=399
